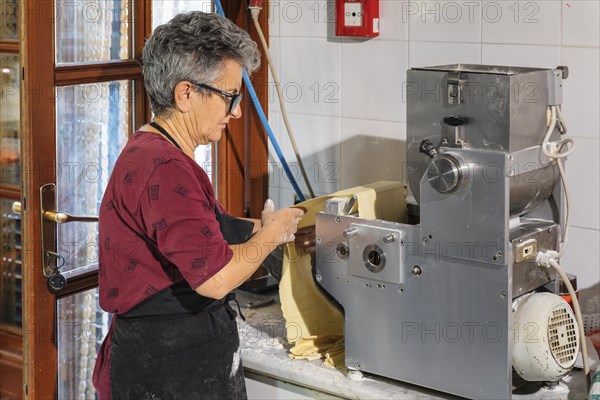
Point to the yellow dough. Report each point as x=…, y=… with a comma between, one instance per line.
x=314, y=325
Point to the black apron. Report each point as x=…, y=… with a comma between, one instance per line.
x=178, y=344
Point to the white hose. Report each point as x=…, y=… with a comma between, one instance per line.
x=255, y=12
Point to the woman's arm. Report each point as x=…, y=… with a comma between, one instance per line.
x=277, y=227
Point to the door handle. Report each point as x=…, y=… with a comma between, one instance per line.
x=63, y=218
x=57, y=216
x=48, y=219
x=48, y=230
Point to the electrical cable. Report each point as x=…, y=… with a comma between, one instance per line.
x=255, y=11
x=549, y=258
x=265, y=122
x=547, y=147
x=554, y=151
x=562, y=125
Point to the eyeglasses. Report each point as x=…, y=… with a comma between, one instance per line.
x=236, y=98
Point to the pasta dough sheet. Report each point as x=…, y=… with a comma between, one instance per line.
x=315, y=326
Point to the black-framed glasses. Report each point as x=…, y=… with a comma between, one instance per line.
x=236, y=98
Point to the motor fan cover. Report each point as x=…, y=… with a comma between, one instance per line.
x=545, y=337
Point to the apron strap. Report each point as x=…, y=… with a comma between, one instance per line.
x=231, y=311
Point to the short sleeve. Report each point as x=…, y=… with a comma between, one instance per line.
x=179, y=218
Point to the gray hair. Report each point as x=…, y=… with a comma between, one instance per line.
x=192, y=46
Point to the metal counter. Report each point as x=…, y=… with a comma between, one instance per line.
x=265, y=353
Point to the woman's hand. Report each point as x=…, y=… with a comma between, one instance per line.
x=281, y=223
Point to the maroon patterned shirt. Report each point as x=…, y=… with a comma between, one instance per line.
x=157, y=224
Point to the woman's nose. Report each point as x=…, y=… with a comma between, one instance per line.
x=236, y=112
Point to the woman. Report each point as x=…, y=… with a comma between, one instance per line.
x=169, y=255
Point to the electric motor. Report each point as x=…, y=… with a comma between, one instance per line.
x=545, y=337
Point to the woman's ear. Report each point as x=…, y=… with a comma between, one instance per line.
x=183, y=96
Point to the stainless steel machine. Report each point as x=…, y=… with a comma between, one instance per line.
x=446, y=302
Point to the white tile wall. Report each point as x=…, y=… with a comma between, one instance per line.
x=274, y=163
x=275, y=51
x=443, y=21
x=368, y=98
x=581, y=100
x=372, y=151
x=305, y=18
x=274, y=18
x=320, y=150
x=364, y=132
x=582, y=257
x=582, y=164
x=521, y=22
x=521, y=55
x=274, y=193
x=311, y=75
x=287, y=197
x=423, y=54
x=392, y=23
x=580, y=23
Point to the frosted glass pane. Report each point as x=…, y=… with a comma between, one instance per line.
x=8, y=19
x=93, y=122
x=10, y=155
x=92, y=31
x=82, y=325
x=204, y=157
x=163, y=11
x=11, y=295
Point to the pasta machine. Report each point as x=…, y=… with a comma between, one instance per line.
x=455, y=301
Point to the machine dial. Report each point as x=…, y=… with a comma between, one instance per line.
x=444, y=174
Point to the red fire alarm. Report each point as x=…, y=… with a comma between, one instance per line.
x=357, y=18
